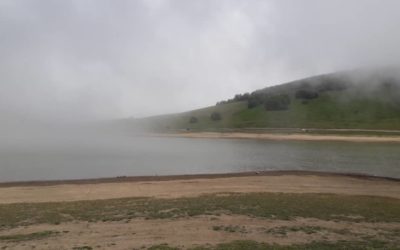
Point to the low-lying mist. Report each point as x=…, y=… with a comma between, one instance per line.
x=76, y=150
x=77, y=159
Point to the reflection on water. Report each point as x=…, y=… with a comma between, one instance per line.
x=162, y=156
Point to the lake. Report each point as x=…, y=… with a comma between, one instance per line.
x=133, y=156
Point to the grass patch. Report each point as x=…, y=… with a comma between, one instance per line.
x=266, y=205
x=83, y=248
x=284, y=230
x=162, y=247
x=230, y=229
x=27, y=237
x=345, y=245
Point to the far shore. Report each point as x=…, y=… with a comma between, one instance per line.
x=283, y=137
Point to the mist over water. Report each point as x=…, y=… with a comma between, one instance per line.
x=107, y=154
x=68, y=69
x=52, y=149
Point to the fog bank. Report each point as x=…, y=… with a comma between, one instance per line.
x=88, y=60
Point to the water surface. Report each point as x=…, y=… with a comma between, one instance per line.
x=133, y=156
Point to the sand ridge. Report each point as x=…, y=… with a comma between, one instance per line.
x=195, y=187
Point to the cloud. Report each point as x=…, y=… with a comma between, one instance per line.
x=108, y=59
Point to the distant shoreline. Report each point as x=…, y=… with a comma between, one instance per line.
x=283, y=137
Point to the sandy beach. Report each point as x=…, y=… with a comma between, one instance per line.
x=190, y=186
x=284, y=137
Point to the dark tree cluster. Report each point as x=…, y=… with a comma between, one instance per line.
x=310, y=90
x=391, y=84
x=270, y=102
x=330, y=85
x=193, y=119
x=255, y=99
x=215, y=116
x=240, y=97
x=236, y=98
x=306, y=90
x=253, y=102
x=306, y=94
x=324, y=83
x=277, y=102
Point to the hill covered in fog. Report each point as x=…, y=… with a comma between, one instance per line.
x=360, y=99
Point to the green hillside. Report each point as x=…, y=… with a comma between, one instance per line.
x=352, y=100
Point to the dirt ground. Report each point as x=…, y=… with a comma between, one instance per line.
x=195, y=231
x=195, y=187
x=187, y=232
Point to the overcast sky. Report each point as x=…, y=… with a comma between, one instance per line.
x=108, y=59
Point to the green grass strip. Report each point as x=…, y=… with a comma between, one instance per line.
x=265, y=205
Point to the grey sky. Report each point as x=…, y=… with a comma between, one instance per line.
x=109, y=59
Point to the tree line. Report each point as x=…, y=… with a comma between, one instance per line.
x=273, y=101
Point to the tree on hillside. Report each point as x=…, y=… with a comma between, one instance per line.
x=277, y=102
x=252, y=102
x=240, y=97
x=215, y=116
x=306, y=94
x=256, y=99
x=193, y=119
x=331, y=84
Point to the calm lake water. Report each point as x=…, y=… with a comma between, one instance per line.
x=164, y=156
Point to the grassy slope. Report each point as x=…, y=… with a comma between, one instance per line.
x=327, y=111
x=357, y=107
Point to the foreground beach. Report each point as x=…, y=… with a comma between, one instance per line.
x=196, y=185
x=296, y=210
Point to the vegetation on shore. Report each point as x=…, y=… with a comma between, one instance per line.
x=265, y=205
x=272, y=206
x=253, y=245
x=27, y=237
